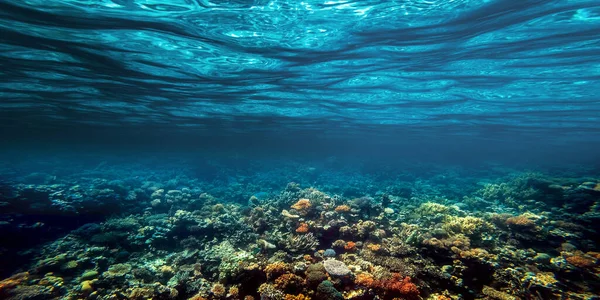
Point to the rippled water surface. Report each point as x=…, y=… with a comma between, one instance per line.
x=493, y=69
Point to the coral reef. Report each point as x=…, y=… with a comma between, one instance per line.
x=517, y=237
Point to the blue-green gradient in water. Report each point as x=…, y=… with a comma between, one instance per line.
x=513, y=72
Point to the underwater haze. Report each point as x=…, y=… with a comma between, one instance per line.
x=297, y=150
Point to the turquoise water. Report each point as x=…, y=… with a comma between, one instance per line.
x=284, y=150
x=478, y=70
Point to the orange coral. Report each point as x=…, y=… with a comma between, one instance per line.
x=303, y=228
x=594, y=254
x=13, y=281
x=398, y=285
x=289, y=281
x=581, y=261
x=365, y=279
x=302, y=205
x=234, y=292
x=393, y=285
x=521, y=221
x=350, y=246
x=342, y=208
x=276, y=269
x=218, y=290
x=374, y=247
x=248, y=297
x=296, y=297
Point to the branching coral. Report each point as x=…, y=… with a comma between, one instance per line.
x=523, y=222
x=270, y=292
x=218, y=290
x=432, y=209
x=466, y=225
x=301, y=243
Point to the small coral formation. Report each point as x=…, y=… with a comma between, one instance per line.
x=524, y=222
x=276, y=269
x=344, y=208
x=393, y=285
x=582, y=261
x=302, y=228
x=350, y=246
x=302, y=206
x=336, y=268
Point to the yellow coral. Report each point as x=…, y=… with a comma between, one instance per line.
x=218, y=290
x=166, y=269
x=197, y=297
x=234, y=292
x=342, y=208
x=466, y=225
x=287, y=214
x=276, y=269
x=374, y=247
x=302, y=205
x=86, y=287
x=296, y=297
x=544, y=279
x=524, y=221
x=495, y=294
x=432, y=208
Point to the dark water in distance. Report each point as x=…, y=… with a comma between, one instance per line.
x=513, y=77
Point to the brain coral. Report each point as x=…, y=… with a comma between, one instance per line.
x=336, y=267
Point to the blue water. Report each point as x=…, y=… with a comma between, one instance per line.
x=501, y=72
x=490, y=107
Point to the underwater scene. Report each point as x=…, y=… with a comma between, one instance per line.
x=299, y=150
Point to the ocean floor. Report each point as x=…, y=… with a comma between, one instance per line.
x=296, y=230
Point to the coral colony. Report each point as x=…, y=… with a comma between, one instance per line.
x=524, y=236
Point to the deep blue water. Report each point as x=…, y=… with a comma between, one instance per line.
x=522, y=76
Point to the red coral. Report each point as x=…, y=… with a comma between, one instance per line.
x=350, y=246
x=289, y=282
x=303, y=228
x=400, y=285
x=395, y=285
x=581, y=261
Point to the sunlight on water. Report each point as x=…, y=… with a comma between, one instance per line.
x=471, y=64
